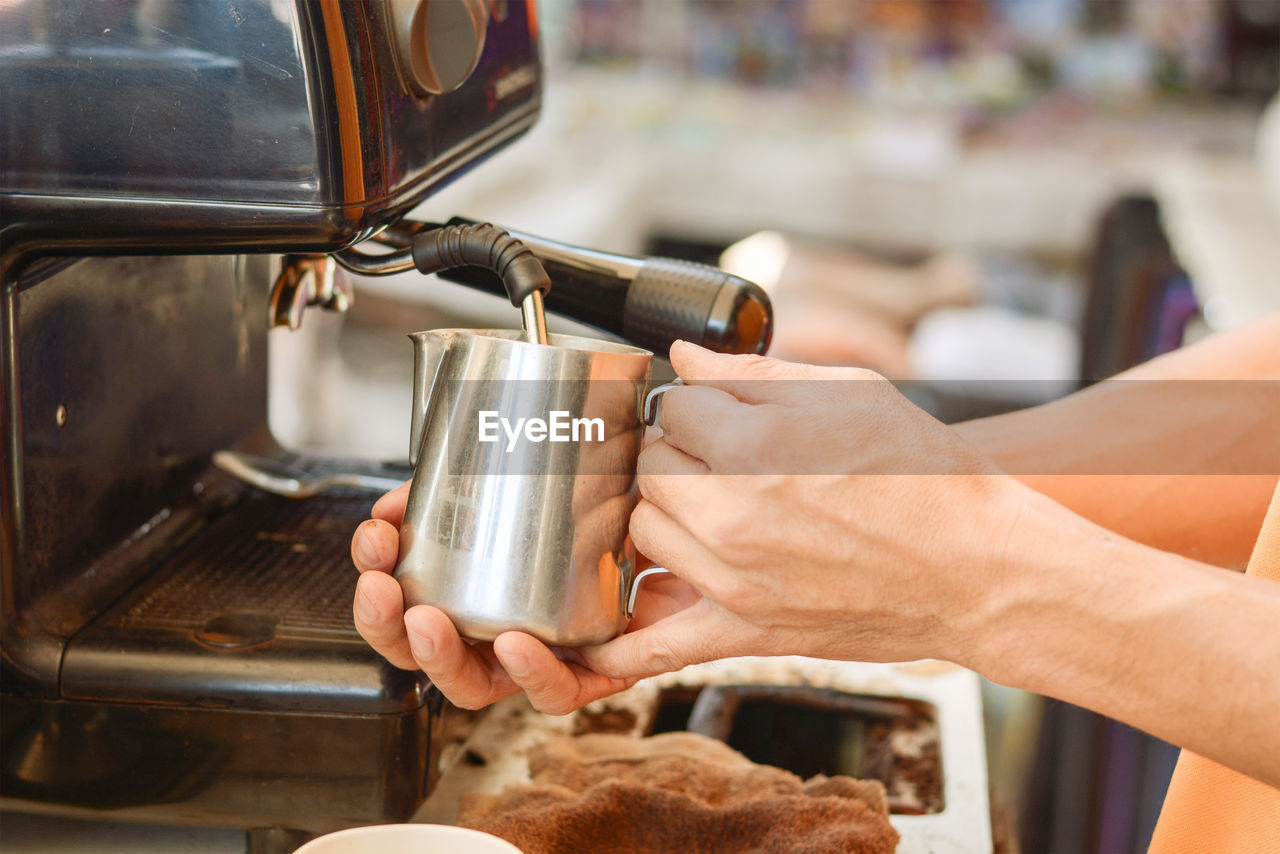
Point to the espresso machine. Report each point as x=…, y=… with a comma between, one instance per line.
x=176, y=178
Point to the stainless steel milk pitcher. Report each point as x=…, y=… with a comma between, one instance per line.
x=525, y=461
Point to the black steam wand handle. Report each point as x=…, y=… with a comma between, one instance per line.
x=485, y=247
x=481, y=244
x=650, y=302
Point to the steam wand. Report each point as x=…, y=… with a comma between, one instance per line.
x=483, y=245
x=534, y=318
x=650, y=302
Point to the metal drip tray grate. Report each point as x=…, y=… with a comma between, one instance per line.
x=281, y=556
x=252, y=611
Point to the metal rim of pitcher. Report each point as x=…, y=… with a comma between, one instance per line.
x=555, y=340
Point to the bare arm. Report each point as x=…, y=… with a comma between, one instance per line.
x=815, y=552
x=1187, y=652
x=922, y=550
x=1209, y=504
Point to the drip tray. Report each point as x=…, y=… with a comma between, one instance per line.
x=252, y=611
x=811, y=731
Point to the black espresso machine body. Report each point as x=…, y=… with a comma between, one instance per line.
x=176, y=646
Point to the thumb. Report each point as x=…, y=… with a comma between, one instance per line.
x=749, y=378
x=696, y=634
x=390, y=507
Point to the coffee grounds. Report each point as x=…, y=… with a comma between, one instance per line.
x=913, y=783
x=607, y=720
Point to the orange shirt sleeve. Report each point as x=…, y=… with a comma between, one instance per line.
x=1211, y=809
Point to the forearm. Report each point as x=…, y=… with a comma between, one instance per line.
x=1180, y=453
x=1185, y=651
x=1084, y=463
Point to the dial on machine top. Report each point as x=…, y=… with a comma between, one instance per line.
x=438, y=42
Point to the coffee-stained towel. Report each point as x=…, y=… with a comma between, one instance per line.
x=677, y=792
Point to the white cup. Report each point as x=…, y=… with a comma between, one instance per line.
x=408, y=839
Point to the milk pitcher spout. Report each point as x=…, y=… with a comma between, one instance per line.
x=429, y=349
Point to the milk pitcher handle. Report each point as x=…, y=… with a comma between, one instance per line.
x=652, y=401
x=635, y=588
x=649, y=414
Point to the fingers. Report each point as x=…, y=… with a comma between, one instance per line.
x=379, y=617
x=757, y=379
x=701, y=420
x=390, y=507
x=743, y=376
x=699, y=633
x=553, y=686
x=670, y=545
x=668, y=478
x=468, y=675
x=375, y=546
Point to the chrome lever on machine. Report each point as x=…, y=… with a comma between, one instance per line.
x=279, y=478
x=307, y=280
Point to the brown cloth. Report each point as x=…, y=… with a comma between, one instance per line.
x=677, y=792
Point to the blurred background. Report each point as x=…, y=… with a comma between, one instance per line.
x=992, y=202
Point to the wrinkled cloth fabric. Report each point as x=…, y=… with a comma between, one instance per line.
x=677, y=792
x=1209, y=808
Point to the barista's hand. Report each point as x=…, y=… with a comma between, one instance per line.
x=473, y=674
x=817, y=512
